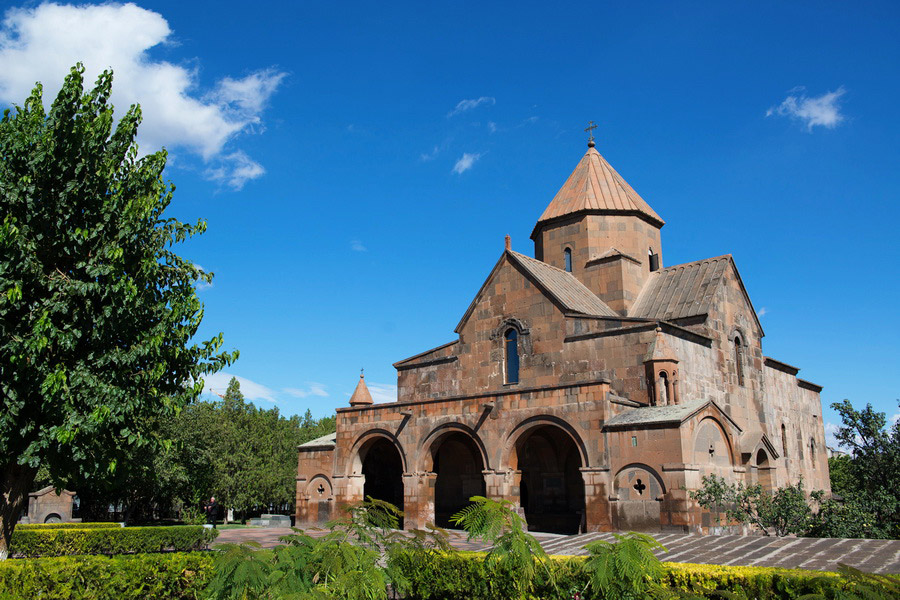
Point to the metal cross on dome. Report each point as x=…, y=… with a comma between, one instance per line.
x=590, y=131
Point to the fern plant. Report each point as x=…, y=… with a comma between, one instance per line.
x=242, y=573
x=626, y=569
x=512, y=549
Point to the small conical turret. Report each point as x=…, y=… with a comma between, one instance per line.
x=361, y=395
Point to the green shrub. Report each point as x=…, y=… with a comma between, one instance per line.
x=128, y=540
x=467, y=576
x=40, y=526
x=170, y=576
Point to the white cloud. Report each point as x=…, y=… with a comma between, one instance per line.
x=311, y=389
x=382, y=392
x=492, y=127
x=763, y=311
x=217, y=383
x=830, y=440
x=465, y=163
x=42, y=43
x=464, y=105
x=357, y=246
x=235, y=170
x=427, y=156
x=821, y=110
x=201, y=285
x=895, y=418
x=531, y=120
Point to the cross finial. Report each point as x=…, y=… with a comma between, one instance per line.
x=590, y=131
x=361, y=371
x=508, y=243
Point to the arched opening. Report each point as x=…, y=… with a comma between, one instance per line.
x=457, y=462
x=551, y=490
x=763, y=471
x=511, y=338
x=53, y=518
x=638, y=491
x=567, y=253
x=784, y=444
x=739, y=359
x=382, y=467
x=664, y=389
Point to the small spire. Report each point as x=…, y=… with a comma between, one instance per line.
x=361, y=395
x=508, y=243
x=590, y=131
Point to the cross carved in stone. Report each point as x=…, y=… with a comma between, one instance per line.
x=640, y=487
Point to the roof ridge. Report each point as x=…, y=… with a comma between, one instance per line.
x=694, y=262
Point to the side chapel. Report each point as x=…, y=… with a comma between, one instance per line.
x=592, y=386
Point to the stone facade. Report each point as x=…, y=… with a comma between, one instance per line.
x=48, y=506
x=591, y=386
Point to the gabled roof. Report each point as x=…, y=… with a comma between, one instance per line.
x=664, y=415
x=594, y=186
x=562, y=287
x=681, y=290
x=686, y=290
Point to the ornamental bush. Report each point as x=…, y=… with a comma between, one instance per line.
x=40, y=526
x=128, y=540
x=171, y=576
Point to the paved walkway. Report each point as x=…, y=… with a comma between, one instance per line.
x=874, y=556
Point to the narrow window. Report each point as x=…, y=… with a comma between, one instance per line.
x=653, y=260
x=568, y=257
x=512, y=356
x=663, y=389
x=739, y=360
x=812, y=450
x=784, y=443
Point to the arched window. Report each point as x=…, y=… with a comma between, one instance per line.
x=812, y=450
x=739, y=359
x=568, y=259
x=663, y=389
x=512, y=355
x=784, y=444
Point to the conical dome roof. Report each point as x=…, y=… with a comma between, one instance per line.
x=361, y=395
x=594, y=186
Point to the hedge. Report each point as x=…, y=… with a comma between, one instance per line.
x=170, y=576
x=69, y=526
x=465, y=576
x=128, y=540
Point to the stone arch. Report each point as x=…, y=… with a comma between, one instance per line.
x=711, y=434
x=379, y=458
x=425, y=463
x=319, y=499
x=509, y=458
x=362, y=445
x=548, y=454
x=53, y=518
x=638, y=491
x=457, y=457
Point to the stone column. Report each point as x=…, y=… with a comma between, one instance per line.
x=418, y=499
x=597, y=489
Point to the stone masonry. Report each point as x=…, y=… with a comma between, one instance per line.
x=590, y=386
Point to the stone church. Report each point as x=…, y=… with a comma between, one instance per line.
x=591, y=385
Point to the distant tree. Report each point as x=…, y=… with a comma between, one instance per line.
x=97, y=312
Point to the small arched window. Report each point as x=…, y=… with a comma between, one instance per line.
x=568, y=259
x=784, y=443
x=812, y=449
x=663, y=389
x=512, y=355
x=739, y=359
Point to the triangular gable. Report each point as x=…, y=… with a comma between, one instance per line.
x=740, y=281
x=562, y=289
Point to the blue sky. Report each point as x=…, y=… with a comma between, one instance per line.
x=360, y=163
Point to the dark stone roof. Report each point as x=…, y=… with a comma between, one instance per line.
x=681, y=290
x=660, y=415
x=573, y=295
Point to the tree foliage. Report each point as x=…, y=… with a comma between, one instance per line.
x=97, y=312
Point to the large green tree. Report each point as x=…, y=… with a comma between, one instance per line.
x=97, y=312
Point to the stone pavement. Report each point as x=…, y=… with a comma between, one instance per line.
x=875, y=556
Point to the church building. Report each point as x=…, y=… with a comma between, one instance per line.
x=591, y=385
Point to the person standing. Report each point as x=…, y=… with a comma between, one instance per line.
x=212, y=511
